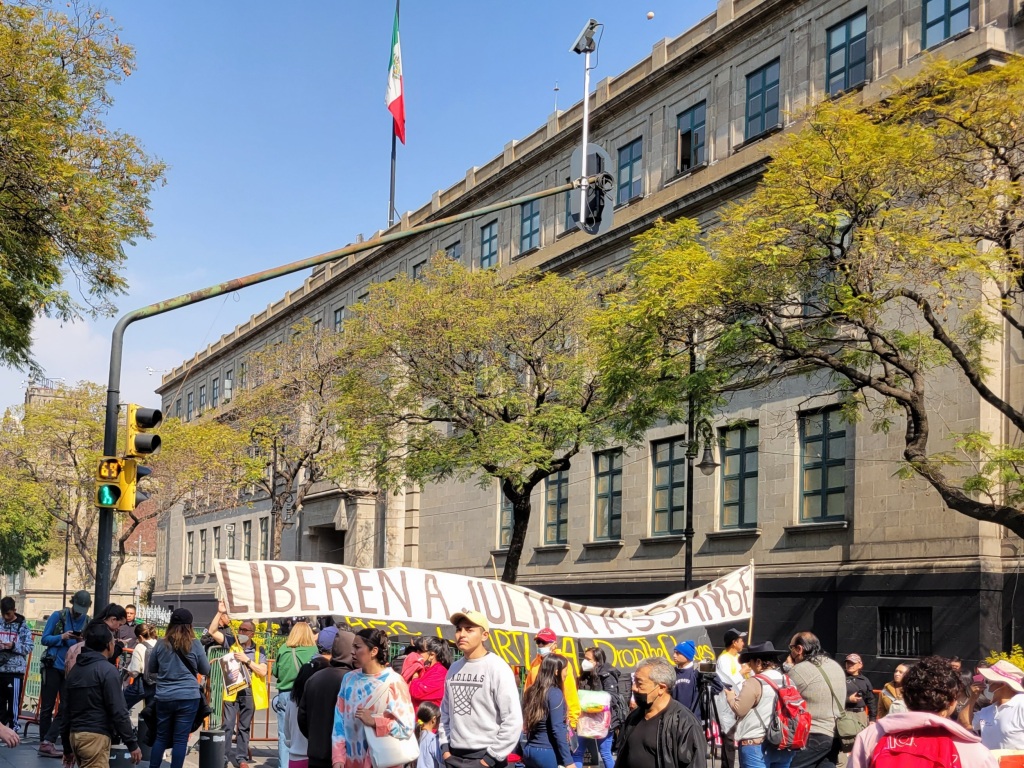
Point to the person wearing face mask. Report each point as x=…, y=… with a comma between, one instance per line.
x=545, y=642
x=924, y=734
x=597, y=675
x=240, y=707
x=660, y=732
x=429, y=686
x=1001, y=723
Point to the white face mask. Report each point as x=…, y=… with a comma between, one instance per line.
x=243, y=639
x=587, y=665
x=543, y=650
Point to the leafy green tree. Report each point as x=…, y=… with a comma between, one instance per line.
x=73, y=192
x=283, y=418
x=472, y=376
x=883, y=249
x=49, y=451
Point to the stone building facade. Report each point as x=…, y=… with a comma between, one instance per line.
x=872, y=563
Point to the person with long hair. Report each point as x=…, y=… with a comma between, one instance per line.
x=177, y=690
x=597, y=675
x=545, y=717
x=428, y=715
x=822, y=683
x=429, y=685
x=139, y=690
x=391, y=714
x=412, y=660
x=298, y=649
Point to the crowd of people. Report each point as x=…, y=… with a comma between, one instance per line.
x=342, y=702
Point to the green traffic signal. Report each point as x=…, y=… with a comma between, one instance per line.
x=107, y=495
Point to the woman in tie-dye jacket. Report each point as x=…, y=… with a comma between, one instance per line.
x=396, y=714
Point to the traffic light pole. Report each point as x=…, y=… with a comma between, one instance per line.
x=104, y=549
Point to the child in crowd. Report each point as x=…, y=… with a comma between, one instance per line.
x=427, y=718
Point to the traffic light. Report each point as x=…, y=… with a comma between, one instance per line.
x=597, y=216
x=131, y=496
x=139, y=442
x=109, y=476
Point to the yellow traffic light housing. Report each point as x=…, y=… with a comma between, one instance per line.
x=131, y=496
x=139, y=442
x=109, y=478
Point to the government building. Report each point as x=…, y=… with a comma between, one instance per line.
x=872, y=563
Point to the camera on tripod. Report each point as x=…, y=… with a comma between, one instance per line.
x=706, y=668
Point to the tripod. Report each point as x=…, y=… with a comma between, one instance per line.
x=708, y=687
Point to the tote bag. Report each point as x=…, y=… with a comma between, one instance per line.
x=387, y=751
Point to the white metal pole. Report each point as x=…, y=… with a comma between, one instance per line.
x=586, y=137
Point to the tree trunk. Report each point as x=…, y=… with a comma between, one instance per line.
x=521, y=510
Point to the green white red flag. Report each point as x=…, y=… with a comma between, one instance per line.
x=395, y=95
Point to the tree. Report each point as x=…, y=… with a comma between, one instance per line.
x=72, y=191
x=472, y=375
x=283, y=418
x=883, y=248
x=49, y=451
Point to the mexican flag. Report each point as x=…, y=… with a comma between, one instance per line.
x=394, y=97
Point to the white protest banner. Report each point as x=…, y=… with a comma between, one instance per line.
x=265, y=589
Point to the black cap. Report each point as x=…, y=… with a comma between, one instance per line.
x=732, y=635
x=180, y=616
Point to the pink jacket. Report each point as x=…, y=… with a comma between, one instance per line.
x=972, y=753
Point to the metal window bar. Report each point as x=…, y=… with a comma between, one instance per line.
x=905, y=632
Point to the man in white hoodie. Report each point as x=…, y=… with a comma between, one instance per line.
x=930, y=689
x=480, y=714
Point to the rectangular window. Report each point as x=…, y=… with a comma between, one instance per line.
x=177, y=408
x=216, y=542
x=229, y=383
x=264, y=538
x=202, y=551
x=339, y=318
x=247, y=540
x=243, y=375
x=529, y=226
x=631, y=176
x=904, y=632
x=692, y=135
x=318, y=325
x=454, y=251
x=823, y=464
x=215, y=393
x=189, y=552
x=739, y=476
x=556, y=508
x=942, y=19
x=608, y=495
x=489, y=245
x=202, y=399
x=231, y=541
x=762, y=100
x=847, y=54
x=417, y=270
x=504, y=521
x=669, y=491
x=189, y=407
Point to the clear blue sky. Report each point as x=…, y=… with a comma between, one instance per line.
x=271, y=118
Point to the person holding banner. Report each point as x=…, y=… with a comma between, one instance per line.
x=481, y=719
x=545, y=642
x=374, y=699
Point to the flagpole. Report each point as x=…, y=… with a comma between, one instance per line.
x=750, y=625
x=394, y=153
x=394, y=147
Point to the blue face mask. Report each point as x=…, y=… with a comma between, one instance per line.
x=543, y=650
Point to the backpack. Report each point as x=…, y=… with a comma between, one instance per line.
x=921, y=748
x=791, y=721
x=896, y=706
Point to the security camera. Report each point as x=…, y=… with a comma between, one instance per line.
x=585, y=41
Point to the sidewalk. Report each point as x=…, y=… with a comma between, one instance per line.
x=264, y=755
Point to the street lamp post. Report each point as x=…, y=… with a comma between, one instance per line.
x=707, y=463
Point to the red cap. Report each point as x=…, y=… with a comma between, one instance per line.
x=547, y=635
